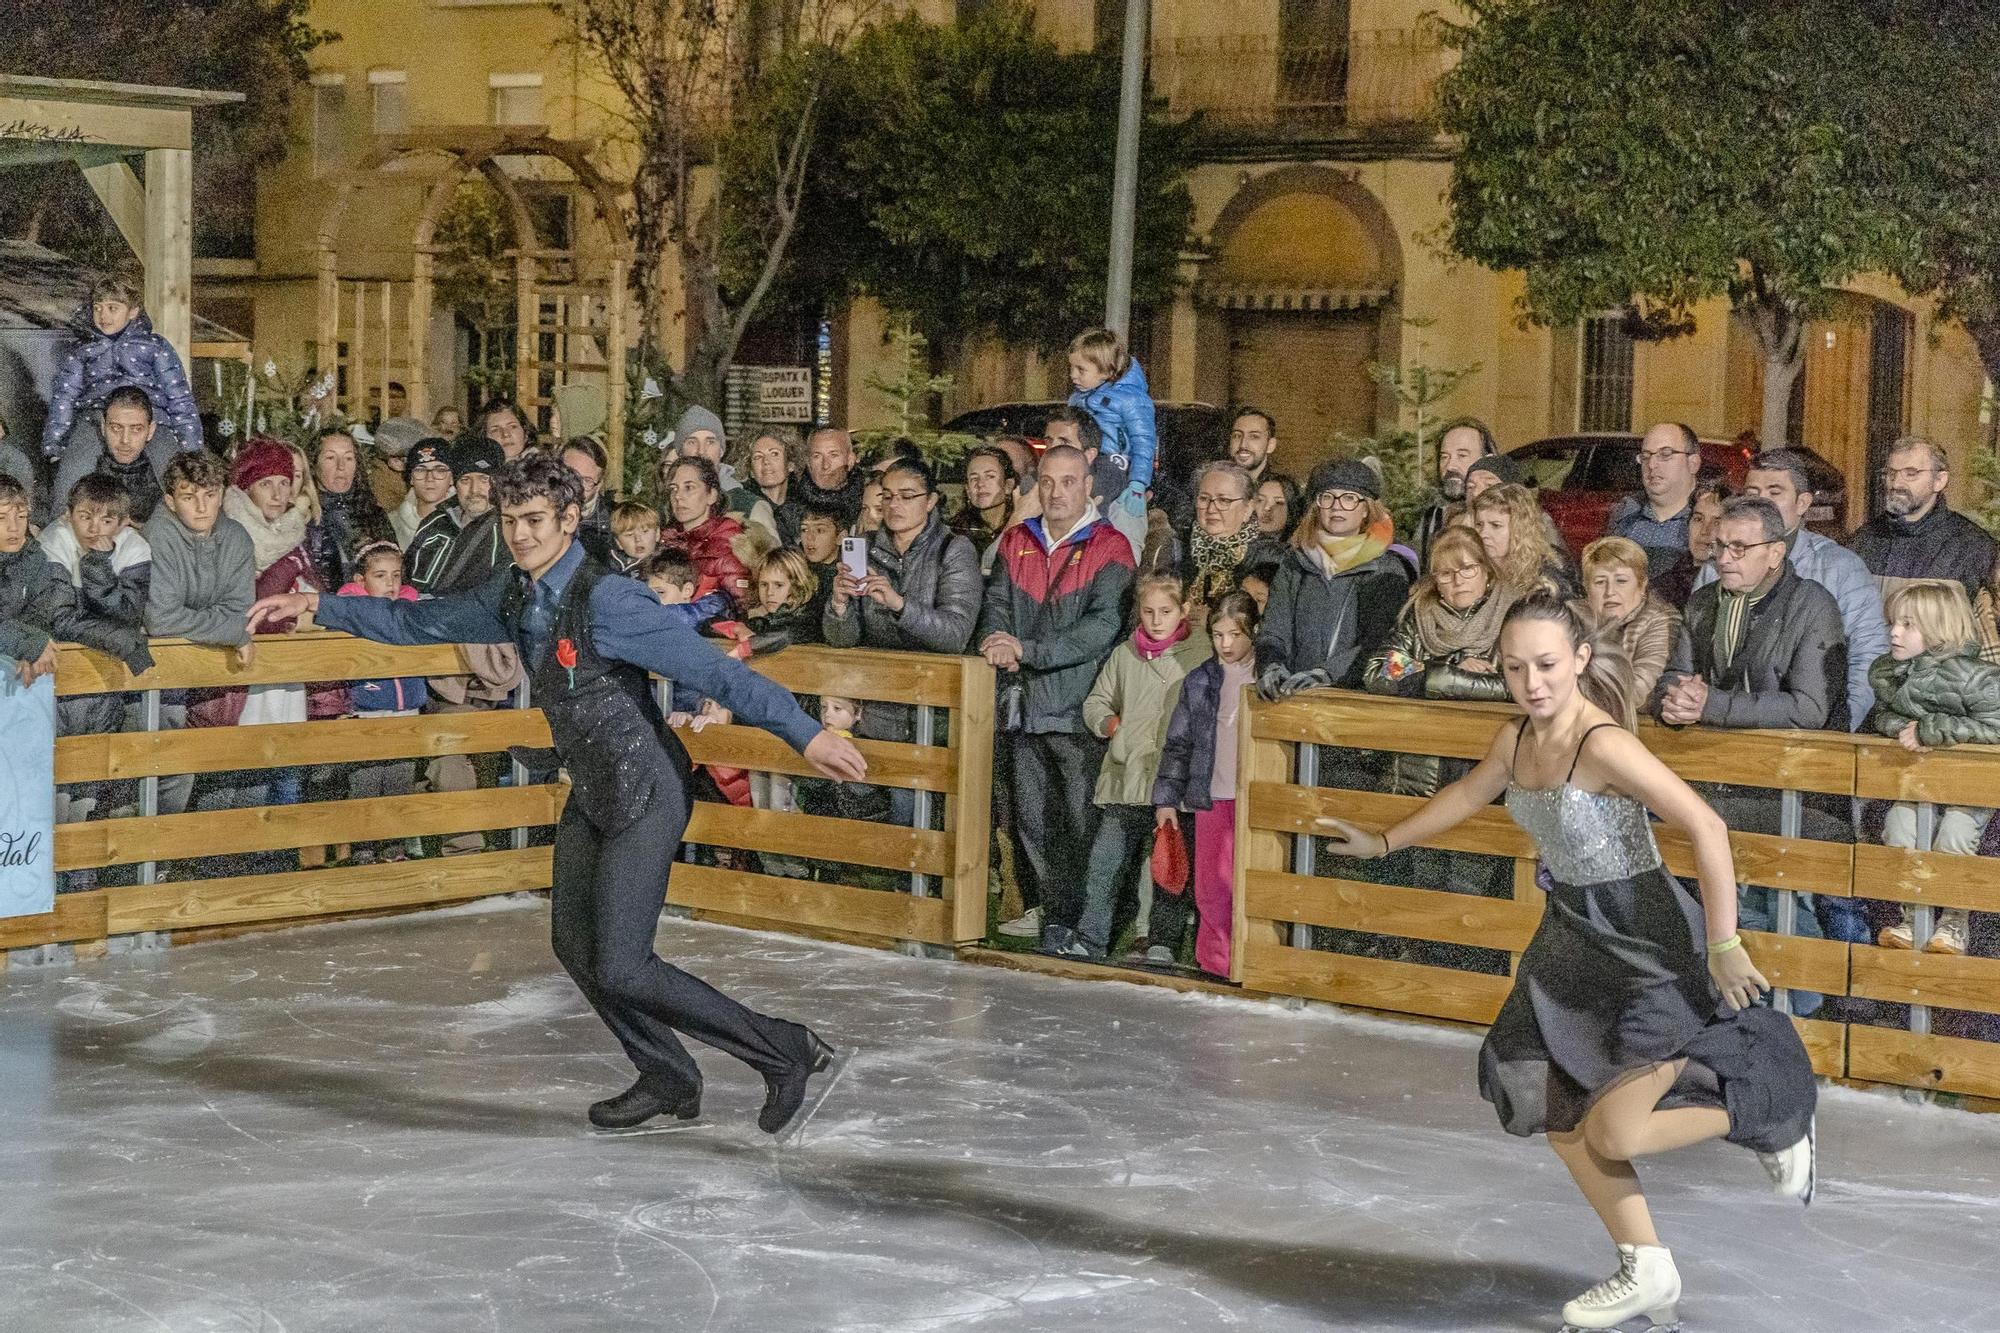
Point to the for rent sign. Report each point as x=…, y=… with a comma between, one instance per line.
x=27, y=795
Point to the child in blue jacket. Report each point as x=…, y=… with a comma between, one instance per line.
x=378, y=572
x=1111, y=386
x=116, y=347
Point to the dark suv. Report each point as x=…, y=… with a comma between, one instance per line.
x=1581, y=478
x=1190, y=433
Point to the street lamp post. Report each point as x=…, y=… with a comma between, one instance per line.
x=1125, y=173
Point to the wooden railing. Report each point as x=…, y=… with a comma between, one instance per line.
x=1281, y=898
x=184, y=871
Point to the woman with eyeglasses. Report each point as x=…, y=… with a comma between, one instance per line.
x=1337, y=591
x=1223, y=540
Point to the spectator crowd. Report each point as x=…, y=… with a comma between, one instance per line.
x=1125, y=603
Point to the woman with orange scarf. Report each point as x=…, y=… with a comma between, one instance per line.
x=1338, y=589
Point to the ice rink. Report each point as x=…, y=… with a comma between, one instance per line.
x=379, y=1126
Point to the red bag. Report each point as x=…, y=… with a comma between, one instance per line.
x=1170, y=862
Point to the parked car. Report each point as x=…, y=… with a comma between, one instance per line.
x=1190, y=434
x=1582, y=477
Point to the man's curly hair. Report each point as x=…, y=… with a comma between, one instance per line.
x=536, y=475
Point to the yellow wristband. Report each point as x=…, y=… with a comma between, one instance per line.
x=1733, y=942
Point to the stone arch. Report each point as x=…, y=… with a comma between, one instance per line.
x=1305, y=274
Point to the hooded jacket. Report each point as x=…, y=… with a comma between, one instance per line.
x=111, y=588
x=1123, y=410
x=1066, y=604
x=98, y=364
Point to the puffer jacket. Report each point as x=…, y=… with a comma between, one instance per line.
x=37, y=603
x=941, y=587
x=1314, y=622
x=1954, y=698
x=1441, y=678
x=1647, y=636
x=1141, y=695
x=1067, y=607
x=1123, y=410
x=711, y=547
x=392, y=694
x=97, y=365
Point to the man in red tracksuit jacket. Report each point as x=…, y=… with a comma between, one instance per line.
x=1055, y=607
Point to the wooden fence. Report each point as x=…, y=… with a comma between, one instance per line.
x=1281, y=898
x=185, y=862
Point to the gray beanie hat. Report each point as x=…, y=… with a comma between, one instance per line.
x=394, y=437
x=698, y=418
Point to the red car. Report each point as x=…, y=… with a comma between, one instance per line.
x=1581, y=478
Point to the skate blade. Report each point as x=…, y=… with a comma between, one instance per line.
x=675, y=1127
x=789, y=1135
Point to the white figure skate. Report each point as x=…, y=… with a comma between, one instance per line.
x=1794, y=1172
x=1646, y=1283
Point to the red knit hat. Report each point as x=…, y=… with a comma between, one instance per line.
x=258, y=459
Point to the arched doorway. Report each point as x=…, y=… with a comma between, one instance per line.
x=569, y=270
x=1304, y=278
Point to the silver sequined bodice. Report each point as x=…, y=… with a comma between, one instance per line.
x=1585, y=837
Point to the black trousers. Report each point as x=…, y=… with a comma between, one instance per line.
x=1054, y=818
x=604, y=911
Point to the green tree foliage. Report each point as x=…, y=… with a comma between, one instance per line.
x=255, y=47
x=1679, y=151
x=1934, y=107
x=964, y=178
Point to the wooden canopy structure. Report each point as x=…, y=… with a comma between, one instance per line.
x=570, y=302
x=102, y=127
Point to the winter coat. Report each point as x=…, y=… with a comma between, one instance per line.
x=1790, y=672
x=1123, y=410
x=475, y=551
x=97, y=365
x=1954, y=698
x=1314, y=622
x=1187, y=755
x=424, y=554
x=846, y=499
x=1441, y=678
x=15, y=463
x=1066, y=606
x=345, y=523
x=1940, y=545
x=141, y=480
x=1141, y=695
x=1647, y=636
x=711, y=546
x=111, y=588
x=403, y=694
x=1833, y=567
x=773, y=630
x=939, y=580
x=37, y=603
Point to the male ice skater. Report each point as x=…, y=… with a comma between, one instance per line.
x=589, y=637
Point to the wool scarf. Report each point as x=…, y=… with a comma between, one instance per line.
x=1151, y=649
x=271, y=539
x=1216, y=560
x=1448, y=633
x=1340, y=554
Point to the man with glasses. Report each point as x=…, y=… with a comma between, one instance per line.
x=1762, y=647
x=1781, y=477
x=1657, y=519
x=1918, y=536
x=1337, y=591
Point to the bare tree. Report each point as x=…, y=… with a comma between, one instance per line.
x=681, y=69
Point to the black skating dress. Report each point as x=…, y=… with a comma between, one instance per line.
x=1616, y=980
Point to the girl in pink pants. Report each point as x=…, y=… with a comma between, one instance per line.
x=1198, y=777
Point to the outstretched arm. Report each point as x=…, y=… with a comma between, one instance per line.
x=470, y=617
x=1442, y=813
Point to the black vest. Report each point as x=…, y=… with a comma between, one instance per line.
x=602, y=714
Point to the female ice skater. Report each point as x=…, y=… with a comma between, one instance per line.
x=1629, y=1030
x=589, y=638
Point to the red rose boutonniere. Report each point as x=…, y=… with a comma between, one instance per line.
x=566, y=659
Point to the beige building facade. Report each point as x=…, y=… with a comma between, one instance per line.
x=1319, y=202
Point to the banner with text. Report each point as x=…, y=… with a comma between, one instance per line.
x=27, y=795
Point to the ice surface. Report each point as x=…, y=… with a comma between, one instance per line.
x=380, y=1127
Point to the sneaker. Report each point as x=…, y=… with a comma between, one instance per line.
x=1073, y=947
x=1027, y=926
x=1159, y=955
x=1949, y=937
x=1646, y=1283
x=1898, y=936
x=1794, y=1172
